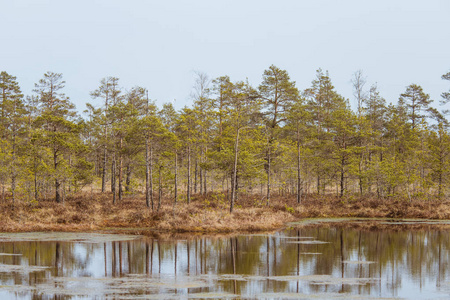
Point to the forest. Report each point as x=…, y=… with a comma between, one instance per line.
x=234, y=141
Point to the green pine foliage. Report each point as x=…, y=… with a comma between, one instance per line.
x=234, y=139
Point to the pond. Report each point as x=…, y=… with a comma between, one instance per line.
x=306, y=263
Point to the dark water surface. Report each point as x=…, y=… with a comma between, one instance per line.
x=312, y=263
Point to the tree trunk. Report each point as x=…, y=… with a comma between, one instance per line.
x=369, y=179
x=360, y=175
x=234, y=180
x=13, y=189
x=113, y=175
x=200, y=171
x=342, y=178
x=204, y=183
x=188, y=192
x=105, y=150
x=195, y=176
x=147, y=174
x=299, y=182
x=63, y=191
x=120, y=170
x=268, y=174
x=35, y=181
x=318, y=184
x=128, y=179
x=441, y=160
x=113, y=178
x=57, y=182
x=176, y=178
x=13, y=166
x=151, y=176
x=160, y=188
x=104, y=167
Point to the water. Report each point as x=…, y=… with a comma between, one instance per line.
x=311, y=263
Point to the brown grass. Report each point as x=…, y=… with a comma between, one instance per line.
x=373, y=208
x=204, y=214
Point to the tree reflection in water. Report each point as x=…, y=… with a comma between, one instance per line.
x=352, y=262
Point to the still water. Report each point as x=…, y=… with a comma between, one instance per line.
x=309, y=263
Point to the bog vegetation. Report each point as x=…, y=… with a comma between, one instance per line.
x=234, y=141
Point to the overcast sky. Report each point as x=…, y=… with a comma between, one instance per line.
x=160, y=44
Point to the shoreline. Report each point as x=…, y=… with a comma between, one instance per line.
x=210, y=215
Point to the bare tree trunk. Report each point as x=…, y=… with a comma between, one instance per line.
x=13, y=166
x=104, y=165
x=439, y=185
x=342, y=179
x=57, y=182
x=13, y=188
x=233, y=184
x=360, y=175
x=201, y=175
x=195, y=176
x=35, y=181
x=128, y=179
x=113, y=168
x=151, y=176
x=160, y=188
x=369, y=179
x=63, y=191
x=147, y=174
x=176, y=178
x=105, y=147
x=299, y=182
x=113, y=178
x=120, y=170
x=204, y=183
x=188, y=192
x=148, y=168
x=268, y=175
x=318, y=184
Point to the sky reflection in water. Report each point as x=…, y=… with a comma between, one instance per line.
x=293, y=264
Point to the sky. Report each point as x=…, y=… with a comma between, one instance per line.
x=160, y=45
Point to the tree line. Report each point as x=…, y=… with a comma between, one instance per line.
x=273, y=139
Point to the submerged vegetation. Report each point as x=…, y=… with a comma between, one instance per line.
x=268, y=154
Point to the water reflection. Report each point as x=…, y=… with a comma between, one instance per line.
x=319, y=262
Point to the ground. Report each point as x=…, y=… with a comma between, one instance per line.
x=210, y=213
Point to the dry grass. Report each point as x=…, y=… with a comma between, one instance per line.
x=203, y=214
x=373, y=208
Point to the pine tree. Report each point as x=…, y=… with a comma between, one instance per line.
x=446, y=95
x=109, y=92
x=188, y=130
x=375, y=114
x=322, y=100
x=297, y=129
x=241, y=109
x=439, y=145
x=153, y=132
x=12, y=128
x=416, y=101
x=169, y=118
x=58, y=131
x=278, y=93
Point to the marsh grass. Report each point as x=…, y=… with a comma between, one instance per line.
x=86, y=212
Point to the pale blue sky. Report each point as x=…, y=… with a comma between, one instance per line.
x=160, y=44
